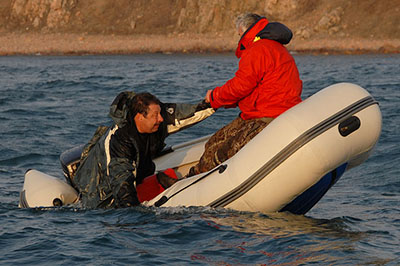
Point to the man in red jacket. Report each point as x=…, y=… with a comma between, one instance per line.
x=266, y=84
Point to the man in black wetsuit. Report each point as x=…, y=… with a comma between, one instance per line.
x=119, y=157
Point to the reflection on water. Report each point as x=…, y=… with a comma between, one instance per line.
x=273, y=238
x=295, y=238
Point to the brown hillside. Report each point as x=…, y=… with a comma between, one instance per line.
x=126, y=26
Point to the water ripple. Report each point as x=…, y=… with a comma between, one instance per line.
x=50, y=104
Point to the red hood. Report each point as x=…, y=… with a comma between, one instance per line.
x=248, y=37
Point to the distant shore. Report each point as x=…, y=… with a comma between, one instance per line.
x=80, y=44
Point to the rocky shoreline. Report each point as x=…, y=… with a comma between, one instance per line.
x=77, y=27
x=84, y=44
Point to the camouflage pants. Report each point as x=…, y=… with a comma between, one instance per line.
x=227, y=141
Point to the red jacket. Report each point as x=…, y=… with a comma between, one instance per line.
x=267, y=82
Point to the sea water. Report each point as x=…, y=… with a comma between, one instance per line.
x=51, y=104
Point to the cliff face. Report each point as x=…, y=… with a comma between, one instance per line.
x=309, y=19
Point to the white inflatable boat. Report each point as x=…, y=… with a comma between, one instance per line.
x=288, y=166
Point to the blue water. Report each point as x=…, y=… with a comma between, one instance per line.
x=50, y=104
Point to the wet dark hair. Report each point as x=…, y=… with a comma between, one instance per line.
x=141, y=101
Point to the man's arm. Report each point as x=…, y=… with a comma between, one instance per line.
x=247, y=77
x=181, y=115
x=122, y=182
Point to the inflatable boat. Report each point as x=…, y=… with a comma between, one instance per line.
x=288, y=166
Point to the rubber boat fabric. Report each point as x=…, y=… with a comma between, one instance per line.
x=292, y=148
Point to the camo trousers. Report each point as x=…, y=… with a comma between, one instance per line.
x=227, y=141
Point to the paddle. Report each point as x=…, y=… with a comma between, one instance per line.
x=164, y=199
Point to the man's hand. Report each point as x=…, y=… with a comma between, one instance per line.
x=208, y=95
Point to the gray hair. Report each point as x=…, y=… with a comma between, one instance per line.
x=244, y=21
